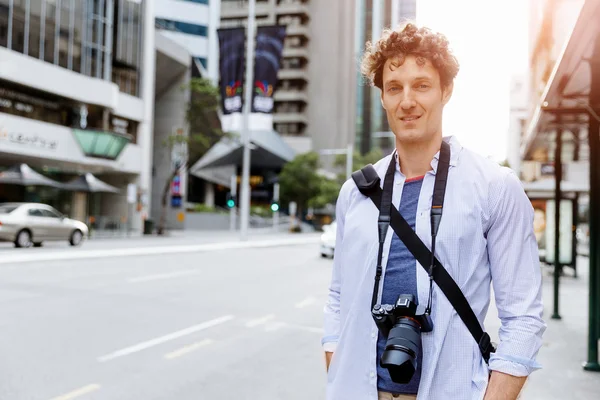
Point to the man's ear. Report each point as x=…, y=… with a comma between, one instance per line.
x=447, y=93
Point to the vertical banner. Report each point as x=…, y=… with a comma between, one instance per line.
x=231, y=68
x=269, y=47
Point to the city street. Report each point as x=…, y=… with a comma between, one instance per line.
x=204, y=316
x=217, y=324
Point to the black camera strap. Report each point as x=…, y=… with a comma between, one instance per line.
x=368, y=182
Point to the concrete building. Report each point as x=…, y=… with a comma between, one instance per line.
x=372, y=16
x=551, y=25
x=192, y=24
x=313, y=100
x=519, y=102
x=563, y=128
x=76, y=97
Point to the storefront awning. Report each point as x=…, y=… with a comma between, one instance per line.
x=545, y=188
x=268, y=150
x=567, y=91
x=23, y=175
x=89, y=183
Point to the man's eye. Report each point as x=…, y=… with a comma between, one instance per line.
x=393, y=89
x=423, y=86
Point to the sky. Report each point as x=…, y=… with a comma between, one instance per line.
x=489, y=38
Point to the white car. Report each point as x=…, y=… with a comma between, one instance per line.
x=30, y=224
x=328, y=240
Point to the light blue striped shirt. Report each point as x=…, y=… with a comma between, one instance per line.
x=486, y=236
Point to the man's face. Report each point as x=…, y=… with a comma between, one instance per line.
x=413, y=98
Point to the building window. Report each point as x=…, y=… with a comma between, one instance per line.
x=127, y=46
x=183, y=27
x=198, y=1
x=202, y=60
x=70, y=33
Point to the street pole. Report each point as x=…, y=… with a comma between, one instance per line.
x=232, y=219
x=276, y=213
x=557, y=197
x=349, y=160
x=245, y=187
x=594, y=258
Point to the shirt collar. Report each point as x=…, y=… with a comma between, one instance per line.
x=455, y=149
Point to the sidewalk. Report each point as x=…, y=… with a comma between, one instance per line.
x=564, y=347
x=172, y=238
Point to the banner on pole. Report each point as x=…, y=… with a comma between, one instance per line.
x=269, y=47
x=231, y=68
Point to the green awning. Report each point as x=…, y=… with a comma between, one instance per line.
x=101, y=144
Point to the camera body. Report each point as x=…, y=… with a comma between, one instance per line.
x=402, y=324
x=387, y=315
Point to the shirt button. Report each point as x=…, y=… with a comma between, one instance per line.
x=372, y=374
x=374, y=335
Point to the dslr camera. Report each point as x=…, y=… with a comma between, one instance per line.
x=402, y=324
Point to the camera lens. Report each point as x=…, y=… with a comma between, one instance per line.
x=401, y=350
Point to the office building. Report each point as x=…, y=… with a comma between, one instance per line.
x=313, y=99
x=76, y=97
x=372, y=129
x=192, y=24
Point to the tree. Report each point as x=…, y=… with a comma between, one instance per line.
x=204, y=131
x=299, y=180
x=358, y=161
x=329, y=190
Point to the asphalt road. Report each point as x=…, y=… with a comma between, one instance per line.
x=205, y=317
x=219, y=323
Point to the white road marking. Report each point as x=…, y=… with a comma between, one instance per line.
x=77, y=254
x=159, y=340
x=306, y=302
x=78, y=392
x=310, y=329
x=260, y=321
x=188, y=349
x=274, y=326
x=157, y=277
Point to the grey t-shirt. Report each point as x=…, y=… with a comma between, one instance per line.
x=400, y=278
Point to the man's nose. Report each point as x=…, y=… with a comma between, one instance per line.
x=408, y=100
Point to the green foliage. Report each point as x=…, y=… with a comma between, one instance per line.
x=329, y=190
x=202, y=118
x=358, y=161
x=203, y=208
x=505, y=163
x=299, y=180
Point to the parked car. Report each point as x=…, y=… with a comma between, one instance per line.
x=31, y=224
x=328, y=240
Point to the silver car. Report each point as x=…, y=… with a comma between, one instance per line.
x=30, y=224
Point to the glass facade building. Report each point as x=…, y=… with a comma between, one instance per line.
x=371, y=121
x=97, y=38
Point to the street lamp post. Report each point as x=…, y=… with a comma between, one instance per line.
x=348, y=151
x=245, y=186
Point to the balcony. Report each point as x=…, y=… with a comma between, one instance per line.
x=290, y=95
x=236, y=9
x=299, y=52
x=292, y=7
x=290, y=118
x=297, y=30
x=293, y=73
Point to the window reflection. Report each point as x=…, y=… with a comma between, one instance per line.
x=4, y=14
x=73, y=35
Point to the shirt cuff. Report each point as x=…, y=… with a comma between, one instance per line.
x=330, y=343
x=513, y=365
x=330, y=347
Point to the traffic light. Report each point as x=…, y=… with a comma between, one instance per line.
x=230, y=200
x=274, y=206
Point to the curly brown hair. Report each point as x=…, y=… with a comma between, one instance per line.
x=409, y=40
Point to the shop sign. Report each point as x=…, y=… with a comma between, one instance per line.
x=27, y=139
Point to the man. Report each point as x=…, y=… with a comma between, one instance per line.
x=486, y=235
